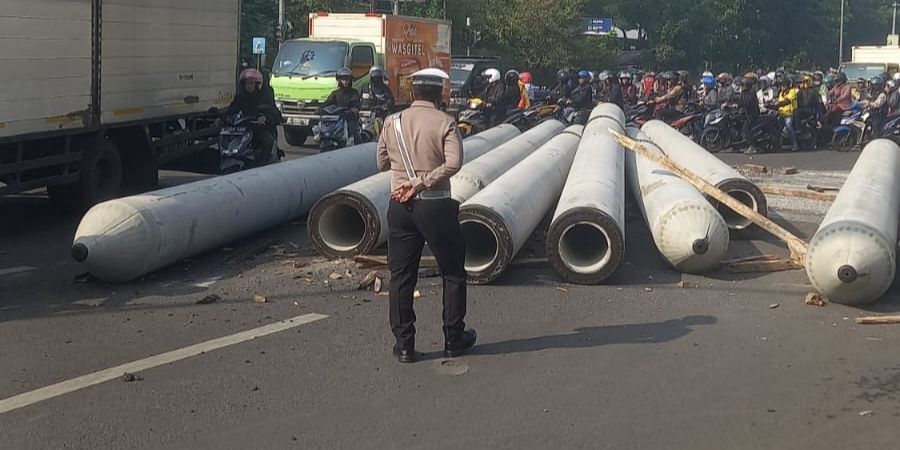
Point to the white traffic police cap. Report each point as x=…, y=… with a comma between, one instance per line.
x=430, y=77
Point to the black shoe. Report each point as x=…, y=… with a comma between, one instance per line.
x=455, y=349
x=405, y=355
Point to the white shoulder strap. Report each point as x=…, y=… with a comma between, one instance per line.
x=404, y=153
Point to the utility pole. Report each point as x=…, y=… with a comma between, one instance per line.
x=471, y=38
x=841, y=37
x=279, y=36
x=894, y=22
x=444, y=10
x=396, y=7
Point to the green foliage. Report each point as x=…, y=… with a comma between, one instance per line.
x=543, y=35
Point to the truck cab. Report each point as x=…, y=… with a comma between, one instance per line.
x=303, y=77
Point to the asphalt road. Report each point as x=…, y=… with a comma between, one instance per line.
x=727, y=362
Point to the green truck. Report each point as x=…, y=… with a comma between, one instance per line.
x=303, y=73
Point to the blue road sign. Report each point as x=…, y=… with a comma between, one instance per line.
x=259, y=46
x=596, y=25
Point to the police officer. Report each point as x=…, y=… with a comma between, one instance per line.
x=422, y=148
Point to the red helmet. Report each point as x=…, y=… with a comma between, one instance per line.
x=525, y=77
x=252, y=75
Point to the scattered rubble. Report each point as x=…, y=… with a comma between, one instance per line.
x=814, y=299
x=130, y=377
x=259, y=298
x=209, y=299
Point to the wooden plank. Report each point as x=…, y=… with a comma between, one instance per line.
x=750, y=258
x=777, y=265
x=799, y=193
x=878, y=320
x=796, y=245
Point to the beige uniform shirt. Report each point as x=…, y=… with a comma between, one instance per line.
x=433, y=143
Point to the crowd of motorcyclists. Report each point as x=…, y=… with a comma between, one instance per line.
x=756, y=111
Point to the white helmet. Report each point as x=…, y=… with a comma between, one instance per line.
x=897, y=76
x=492, y=75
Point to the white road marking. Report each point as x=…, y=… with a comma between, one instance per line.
x=65, y=387
x=15, y=270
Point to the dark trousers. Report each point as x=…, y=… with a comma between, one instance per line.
x=265, y=140
x=411, y=226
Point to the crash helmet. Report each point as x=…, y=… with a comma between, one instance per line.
x=491, y=75
x=377, y=74
x=584, y=74
x=252, y=75
x=344, y=72
x=511, y=76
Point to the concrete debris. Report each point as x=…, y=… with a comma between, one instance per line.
x=774, y=305
x=562, y=289
x=335, y=276
x=814, y=299
x=367, y=281
x=129, y=377
x=866, y=413
x=684, y=284
x=259, y=298
x=209, y=299
x=377, y=285
x=417, y=294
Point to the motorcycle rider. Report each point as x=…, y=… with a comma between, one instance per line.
x=749, y=104
x=502, y=96
x=787, y=106
x=890, y=87
x=809, y=104
x=648, y=86
x=582, y=97
x=526, y=79
x=346, y=96
x=524, y=98
x=876, y=105
x=377, y=94
x=629, y=90
x=613, y=92
x=710, y=100
x=672, y=102
x=726, y=88
x=840, y=99
x=562, y=91
x=253, y=101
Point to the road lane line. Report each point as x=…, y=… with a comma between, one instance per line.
x=65, y=387
x=15, y=270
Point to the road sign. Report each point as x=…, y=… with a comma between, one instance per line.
x=259, y=46
x=596, y=25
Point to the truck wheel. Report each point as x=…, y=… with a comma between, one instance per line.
x=296, y=136
x=101, y=179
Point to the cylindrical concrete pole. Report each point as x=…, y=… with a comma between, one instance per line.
x=586, y=241
x=497, y=221
x=353, y=220
x=689, y=233
x=686, y=153
x=123, y=239
x=853, y=256
x=475, y=176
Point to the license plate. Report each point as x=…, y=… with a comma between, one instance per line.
x=297, y=121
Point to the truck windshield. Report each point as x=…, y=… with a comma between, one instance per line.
x=306, y=58
x=458, y=77
x=863, y=70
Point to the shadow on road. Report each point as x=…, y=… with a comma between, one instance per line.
x=643, y=333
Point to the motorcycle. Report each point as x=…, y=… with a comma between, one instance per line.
x=725, y=131
x=638, y=114
x=690, y=125
x=236, y=145
x=372, y=122
x=852, y=129
x=473, y=119
x=333, y=129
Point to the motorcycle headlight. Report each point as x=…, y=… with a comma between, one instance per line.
x=474, y=104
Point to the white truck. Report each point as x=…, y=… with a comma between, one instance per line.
x=867, y=61
x=96, y=95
